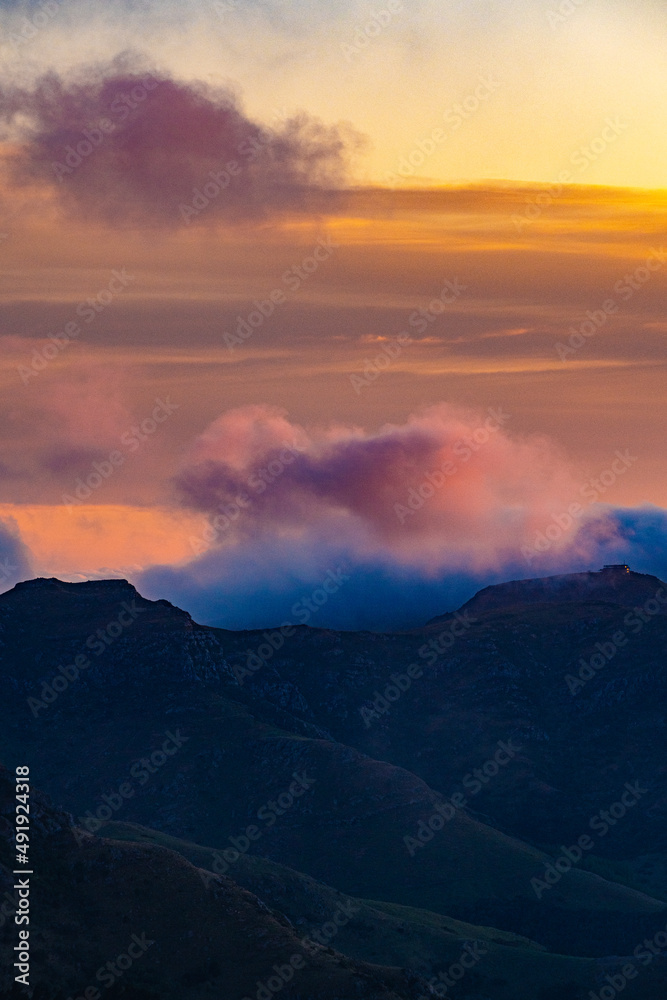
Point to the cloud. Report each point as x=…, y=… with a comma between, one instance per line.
x=424, y=490
x=124, y=145
x=73, y=421
x=266, y=582
x=288, y=505
x=15, y=561
x=607, y=534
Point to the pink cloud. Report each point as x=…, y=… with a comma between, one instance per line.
x=85, y=408
x=446, y=488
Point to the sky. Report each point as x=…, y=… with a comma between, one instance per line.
x=301, y=292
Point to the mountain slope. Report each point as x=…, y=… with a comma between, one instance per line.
x=95, y=899
x=204, y=751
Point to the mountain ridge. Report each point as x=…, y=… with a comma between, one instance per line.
x=394, y=735
x=614, y=584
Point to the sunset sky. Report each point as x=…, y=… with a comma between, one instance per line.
x=382, y=288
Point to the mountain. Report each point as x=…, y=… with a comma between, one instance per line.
x=138, y=919
x=613, y=584
x=439, y=773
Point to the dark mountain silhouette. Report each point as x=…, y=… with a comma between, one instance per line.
x=439, y=772
x=614, y=584
x=188, y=935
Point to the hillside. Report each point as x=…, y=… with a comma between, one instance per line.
x=446, y=808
